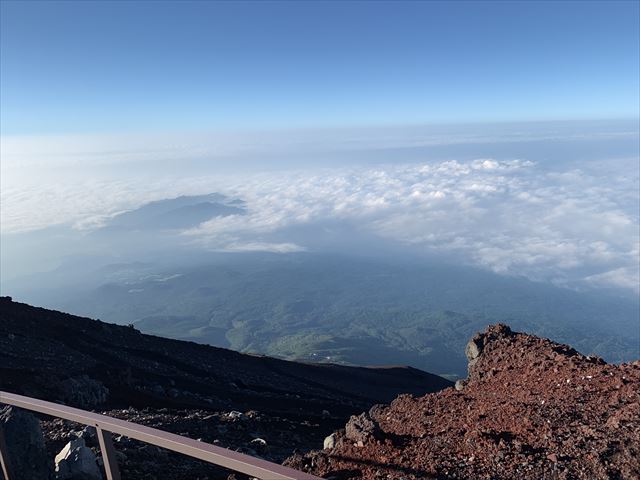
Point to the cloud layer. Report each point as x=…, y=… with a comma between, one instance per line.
x=572, y=223
x=569, y=227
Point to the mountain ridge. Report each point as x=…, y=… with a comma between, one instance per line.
x=54, y=347
x=310, y=306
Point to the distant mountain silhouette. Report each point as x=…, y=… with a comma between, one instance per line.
x=176, y=213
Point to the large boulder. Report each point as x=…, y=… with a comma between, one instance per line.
x=25, y=444
x=76, y=461
x=361, y=428
x=84, y=392
x=329, y=442
x=474, y=348
x=480, y=343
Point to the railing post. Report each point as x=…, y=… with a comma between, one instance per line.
x=4, y=456
x=108, y=454
x=105, y=426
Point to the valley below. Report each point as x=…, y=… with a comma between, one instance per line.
x=335, y=308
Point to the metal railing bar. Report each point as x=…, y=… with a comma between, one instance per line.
x=108, y=454
x=239, y=462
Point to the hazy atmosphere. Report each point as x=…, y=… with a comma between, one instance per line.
x=325, y=136
x=306, y=240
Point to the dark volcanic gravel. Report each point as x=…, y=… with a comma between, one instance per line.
x=186, y=388
x=250, y=432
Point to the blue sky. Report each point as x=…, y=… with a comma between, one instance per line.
x=91, y=67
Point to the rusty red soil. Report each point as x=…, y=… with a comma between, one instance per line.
x=530, y=409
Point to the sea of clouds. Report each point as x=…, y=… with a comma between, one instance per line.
x=512, y=217
x=574, y=224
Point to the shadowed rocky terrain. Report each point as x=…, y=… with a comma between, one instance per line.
x=89, y=363
x=530, y=409
x=255, y=404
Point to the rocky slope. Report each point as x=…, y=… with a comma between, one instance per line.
x=530, y=409
x=88, y=363
x=255, y=404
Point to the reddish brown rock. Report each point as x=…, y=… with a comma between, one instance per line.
x=530, y=409
x=361, y=428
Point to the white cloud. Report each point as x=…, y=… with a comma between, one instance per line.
x=570, y=228
x=263, y=247
x=624, y=277
x=573, y=224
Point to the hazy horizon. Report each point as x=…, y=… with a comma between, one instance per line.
x=501, y=139
x=549, y=201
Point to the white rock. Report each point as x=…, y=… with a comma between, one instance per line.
x=330, y=442
x=236, y=415
x=77, y=460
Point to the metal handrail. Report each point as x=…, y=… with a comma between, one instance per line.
x=106, y=425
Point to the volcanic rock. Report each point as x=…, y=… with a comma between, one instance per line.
x=329, y=442
x=88, y=434
x=25, y=444
x=84, y=392
x=77, y=462
x=530, y=409
x=361, y=428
